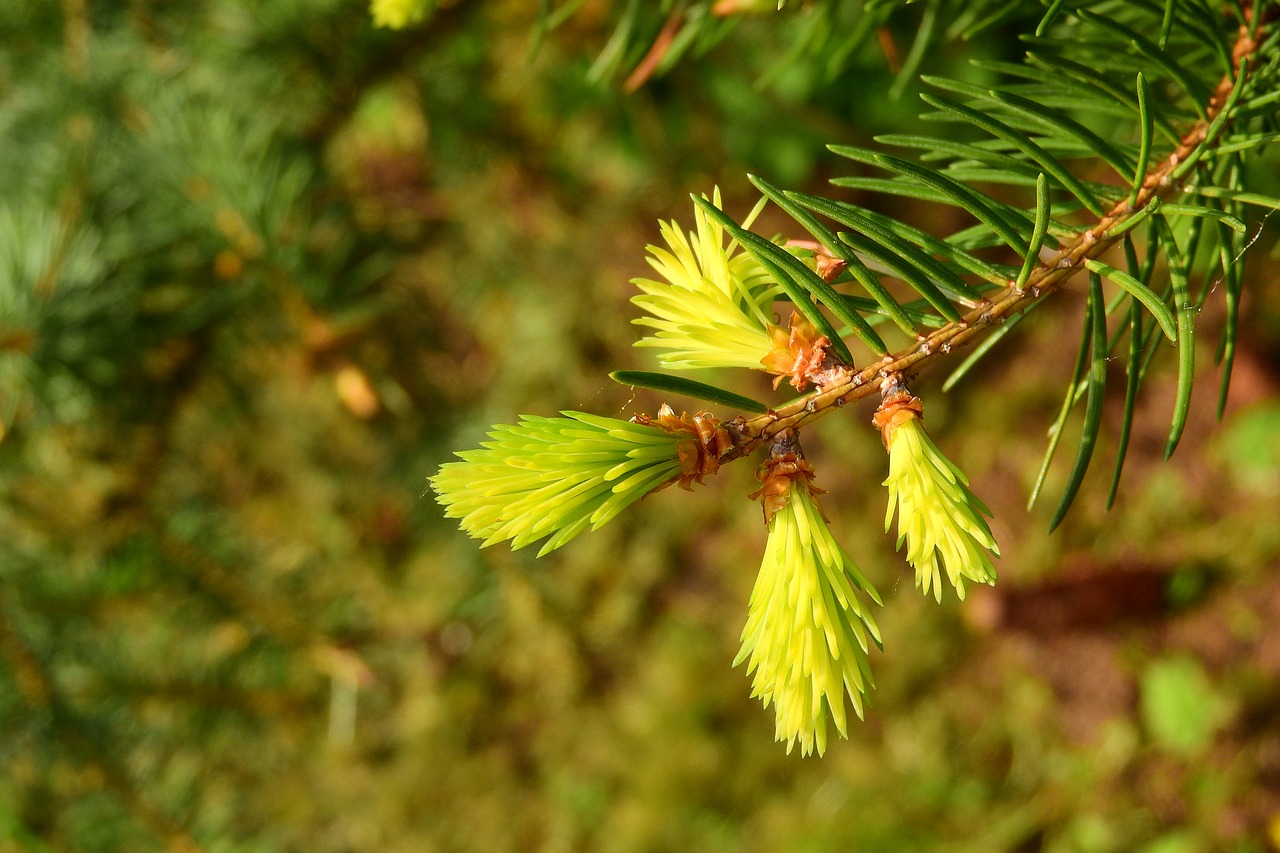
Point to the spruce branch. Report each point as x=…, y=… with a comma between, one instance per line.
x=711, y=307
x=1163, y=180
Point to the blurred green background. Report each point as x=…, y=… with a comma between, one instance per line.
x=263, y=267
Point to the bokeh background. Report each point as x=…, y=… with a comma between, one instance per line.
x=263, y=267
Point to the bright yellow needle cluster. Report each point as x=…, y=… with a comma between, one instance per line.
x=940, y=520
x=554, y=477
x=807, y=629
x=713, y=303
x=398, y=14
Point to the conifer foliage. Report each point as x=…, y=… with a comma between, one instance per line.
x=1127, y=130
x=264, y=264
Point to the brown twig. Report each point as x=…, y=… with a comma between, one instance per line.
x=657, y=51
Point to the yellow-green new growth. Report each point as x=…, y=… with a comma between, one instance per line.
x=713, y=305
x=398, y=14
x=557, y=476
x=806, y=634
x=941, y=521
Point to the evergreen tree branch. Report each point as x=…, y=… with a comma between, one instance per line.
x=1165, y=179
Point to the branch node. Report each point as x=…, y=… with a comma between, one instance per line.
x=896, y=408
x=785, y=469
